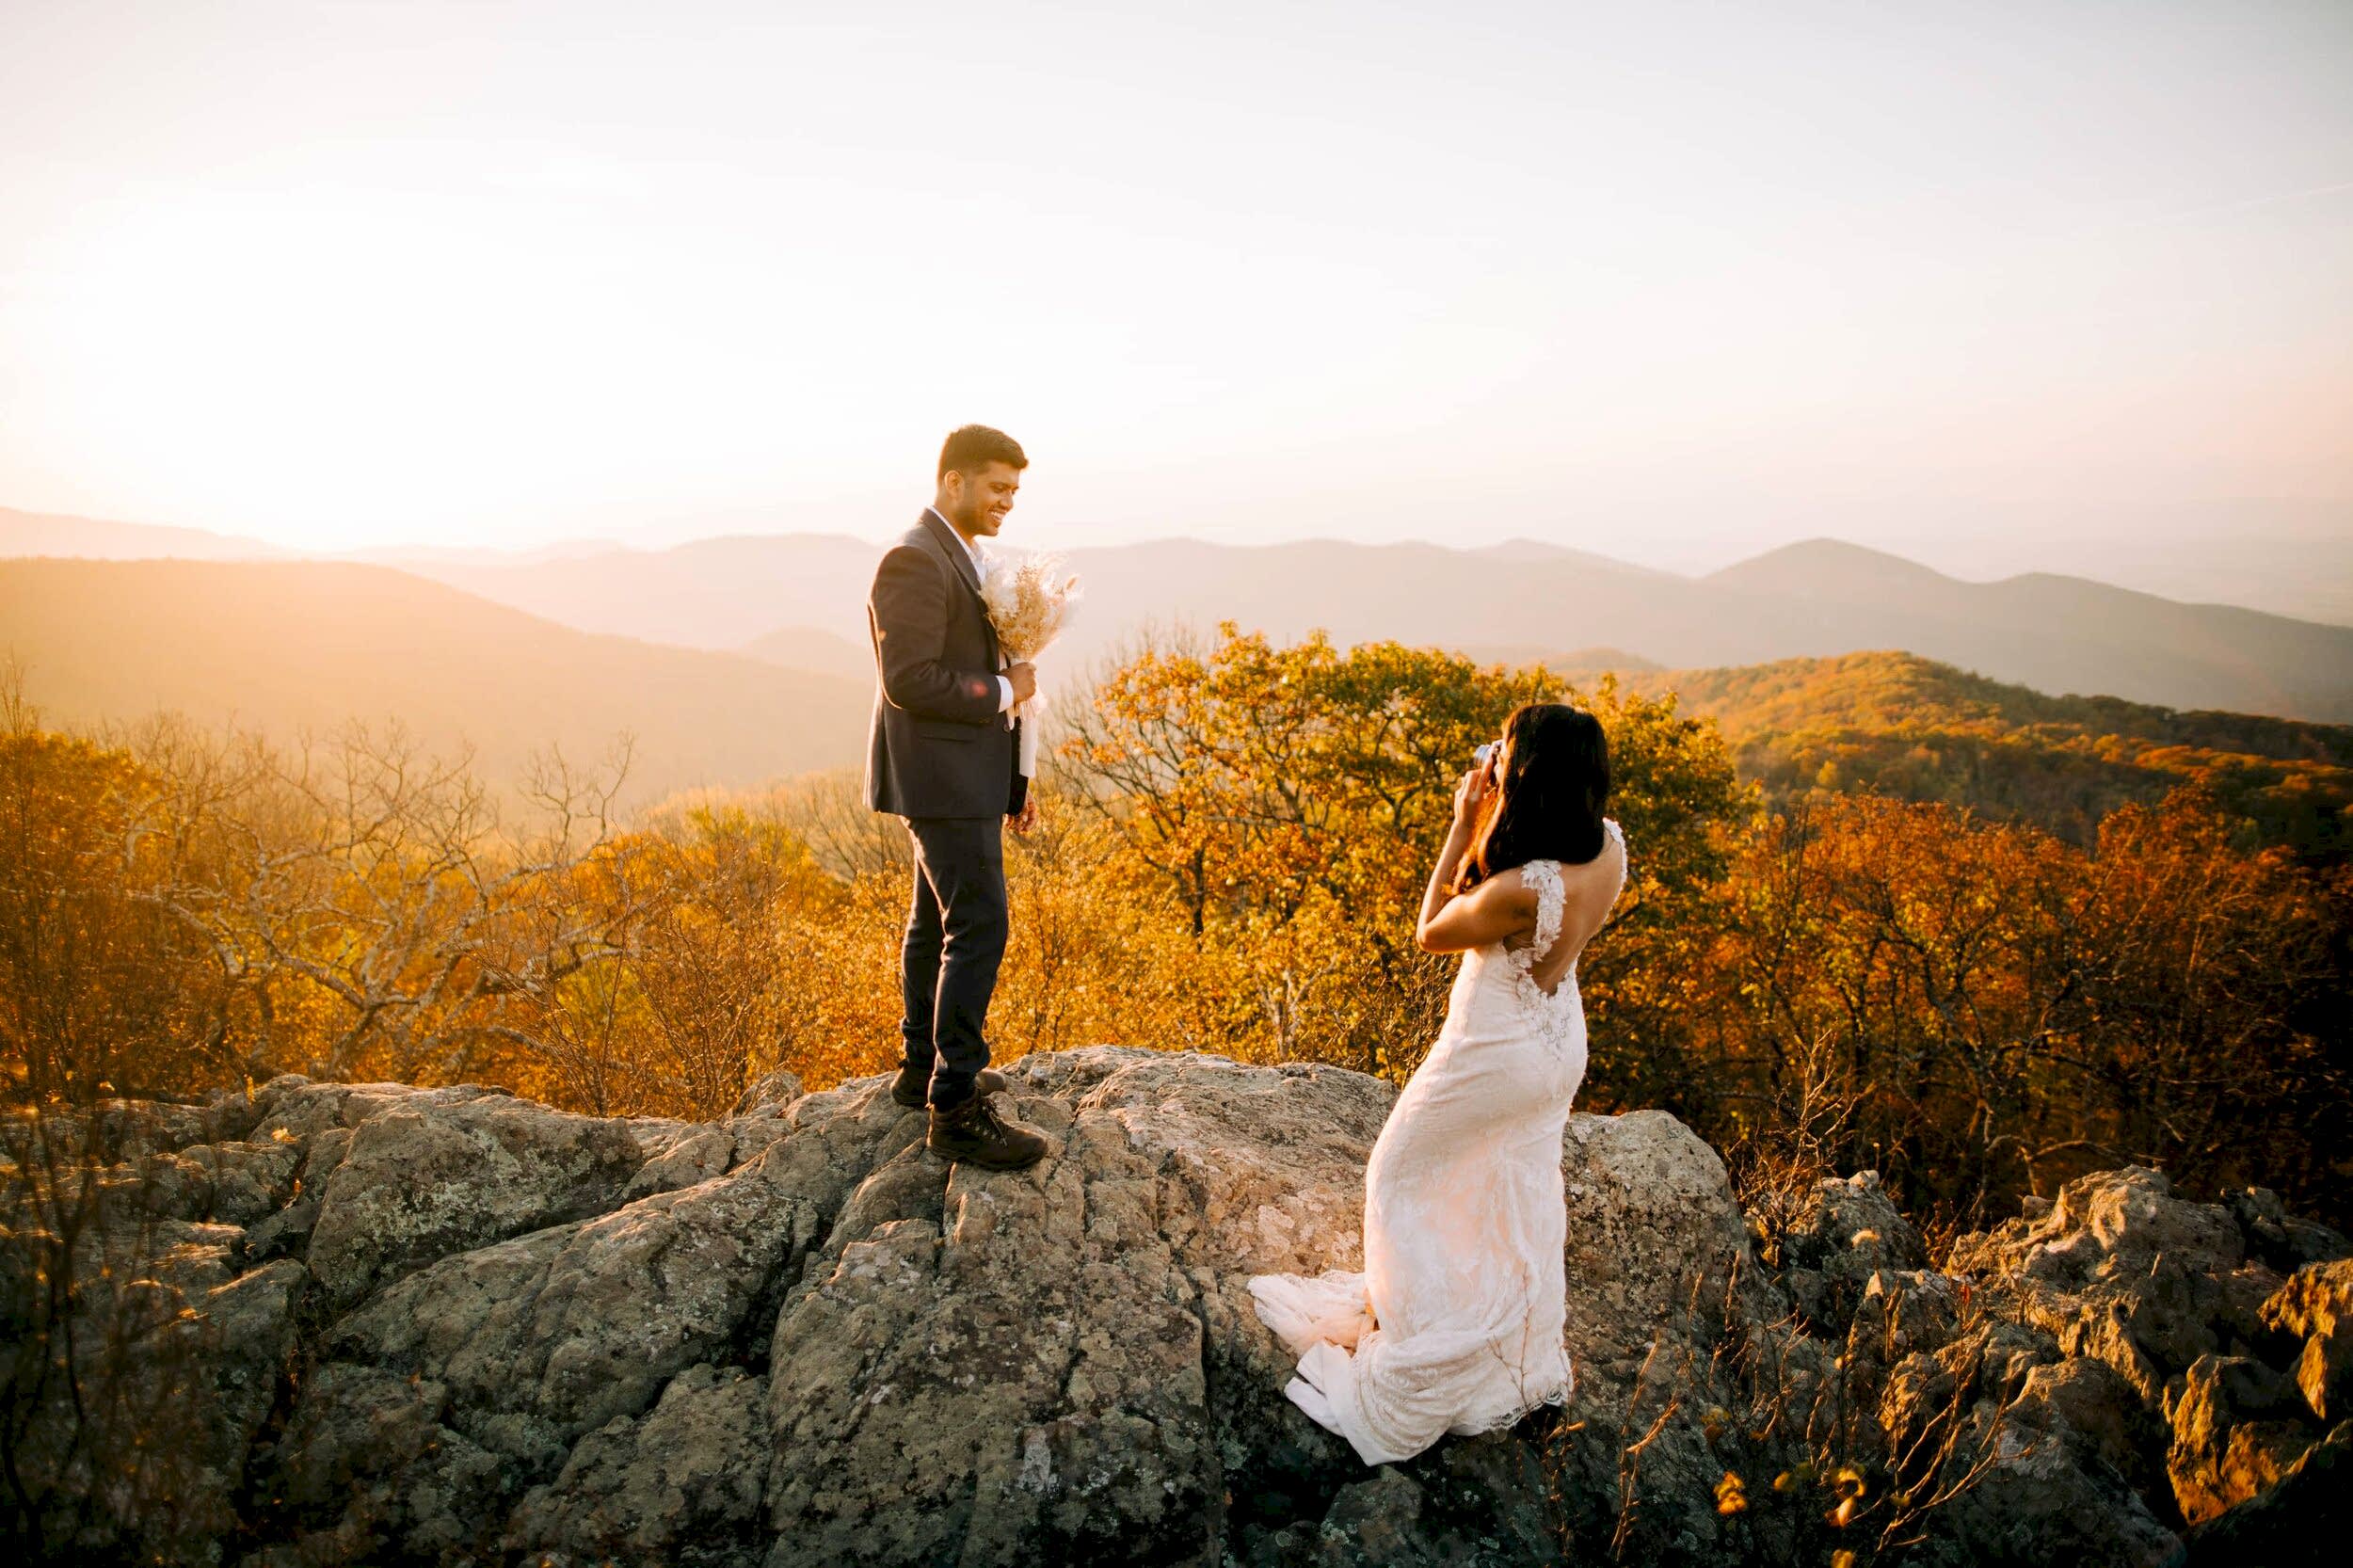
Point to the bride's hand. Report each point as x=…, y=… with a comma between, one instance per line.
x=1471, y=793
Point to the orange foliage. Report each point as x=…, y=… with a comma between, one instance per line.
x=1234, y=841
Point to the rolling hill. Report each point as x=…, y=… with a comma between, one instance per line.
x=93, y=538
x=284, y=646
x=803, y=647
x=719, y=593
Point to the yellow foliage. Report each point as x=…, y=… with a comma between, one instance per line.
x=1234, y=841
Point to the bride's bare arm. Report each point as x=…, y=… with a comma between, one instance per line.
x=1499, y=907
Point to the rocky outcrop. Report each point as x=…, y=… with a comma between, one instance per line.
x=2316, y=1308
x=2219, y=1315
x=451, y=1325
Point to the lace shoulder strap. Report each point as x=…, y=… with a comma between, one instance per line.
x=1543, y=878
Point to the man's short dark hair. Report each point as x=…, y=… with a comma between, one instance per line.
x=976, y=446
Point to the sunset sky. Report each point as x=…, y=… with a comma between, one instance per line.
x=1981, y=282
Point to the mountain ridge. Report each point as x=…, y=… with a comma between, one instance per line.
x=1815, y=598
x=2048, y=631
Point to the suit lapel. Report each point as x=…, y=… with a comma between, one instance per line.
x=958, y=557
x=960, y=561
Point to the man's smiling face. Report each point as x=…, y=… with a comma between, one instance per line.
x=977, y=503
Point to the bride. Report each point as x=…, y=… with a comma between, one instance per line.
x=1456, y=1323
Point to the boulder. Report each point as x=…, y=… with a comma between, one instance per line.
x=232, y=1183
x=684, y=1162
x=1654, y=1238
x=680, y=1485
x=1424, y=1516
x=2238, y=1427
x=2324, y=1375
x=2083, y=1405
x=424, y=1179
x=543, y=1338
x=2032, y=1500
x=302, y=1108
x=137, y=1443
x=366, y=1471
x=2300, y=1523
x=1848, y=1232
x=769, y=1094
x=2317, y=1300
x=2121, y=1269
x=2315, y=1307
x=130, y=1128
x=2286, y=1241
x=1662, y=1282
x=1010, y=1366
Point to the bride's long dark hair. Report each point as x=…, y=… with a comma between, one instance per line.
x=1548, y=804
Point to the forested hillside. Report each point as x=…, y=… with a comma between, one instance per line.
x=1900, y=724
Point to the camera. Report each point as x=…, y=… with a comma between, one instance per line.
x=1479, y=758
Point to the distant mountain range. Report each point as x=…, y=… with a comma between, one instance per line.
x=285, y=646
x=1522, y=600
x=2054, y=633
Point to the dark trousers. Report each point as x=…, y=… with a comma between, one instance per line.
x=955, y=940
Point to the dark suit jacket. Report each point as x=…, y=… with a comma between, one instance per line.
x=938, y=746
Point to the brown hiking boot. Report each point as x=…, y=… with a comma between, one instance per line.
x=974, y=1134
x=913, y=1092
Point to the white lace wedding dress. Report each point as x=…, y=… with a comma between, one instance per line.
x=1456, y=1322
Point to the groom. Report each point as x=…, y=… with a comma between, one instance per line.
x=942, y=754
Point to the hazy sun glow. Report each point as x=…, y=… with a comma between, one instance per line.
x=1669, y=280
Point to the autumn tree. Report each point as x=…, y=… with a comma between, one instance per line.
x=1995, y=1009
x=1285, y=805
x=101, y=990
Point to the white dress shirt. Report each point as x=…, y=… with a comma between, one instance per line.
x=1004, y=684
